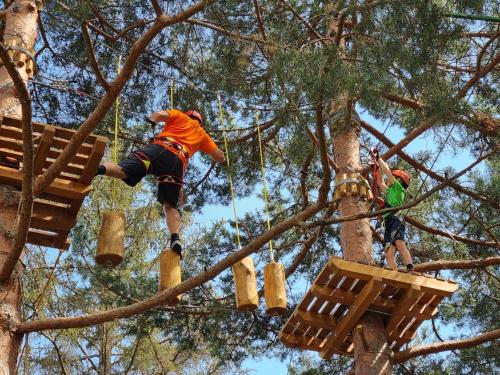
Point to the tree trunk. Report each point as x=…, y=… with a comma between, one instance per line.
x=106, y=348
x=371, y=353
x=10, y=291
x=19, y=34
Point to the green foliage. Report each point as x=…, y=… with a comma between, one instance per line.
x=405, y=48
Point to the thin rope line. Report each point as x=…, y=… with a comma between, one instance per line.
x=221, y=113
x=171, y=94
x=115, y=147
x=264, y=185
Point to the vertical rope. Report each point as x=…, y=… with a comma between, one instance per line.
x=221, y=114
x=115, y=148
x=264, y=185
x=171, y=94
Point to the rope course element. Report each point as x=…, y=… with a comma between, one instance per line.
x=264, y=185
x=221, y=114
x=115, y=146
x=171, y=94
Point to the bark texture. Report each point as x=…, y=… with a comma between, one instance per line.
x=10, y=291
x=19, y=37
x=371, y=352
x=20, y=32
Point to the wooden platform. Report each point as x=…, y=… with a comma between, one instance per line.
x=344, y=290
x=54, y=212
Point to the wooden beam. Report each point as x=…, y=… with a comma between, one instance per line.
x=42, y=238
x=347, y=297
x=38, y=127
x=93, y=161
x=400, y=279
x=301, y=342
x=316, y=320
x=60, y=187
x=43, y=148
x=369, y=292
x=405, y=304
x=60, y=222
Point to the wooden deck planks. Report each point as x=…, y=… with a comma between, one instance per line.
x=55, y=210
x=344, y=291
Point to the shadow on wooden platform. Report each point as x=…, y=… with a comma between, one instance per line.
x=344, y=290
x=55, y=210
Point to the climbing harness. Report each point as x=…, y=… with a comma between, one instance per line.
x=174, y=147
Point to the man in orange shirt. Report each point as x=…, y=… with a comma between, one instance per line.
x=166, y=158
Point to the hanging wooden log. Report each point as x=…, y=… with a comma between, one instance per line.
x=111, y=241
x=274, y=289
x=247, y=298
x=170, y=273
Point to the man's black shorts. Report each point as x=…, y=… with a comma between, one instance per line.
x=394, y=230
x=164, y=164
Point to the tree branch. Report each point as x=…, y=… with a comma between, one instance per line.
x=411, y=204
x=157, y=8
x=457, y=264
x=424, y=126
x=26, y=200
x=235, y=36
x=115, y=88
x=480, y=72
x=466, y=240
x=92, y=58
x=445, y=346
x=303, y=20
x=162, y=298
x=422, y=168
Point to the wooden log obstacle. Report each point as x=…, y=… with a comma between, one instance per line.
x=344, y=290
x=55, y=210
x=170, y=273
x=111, y=241
x=247, y=298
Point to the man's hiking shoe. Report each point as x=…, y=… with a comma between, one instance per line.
x=175, y=244
x=409, y=267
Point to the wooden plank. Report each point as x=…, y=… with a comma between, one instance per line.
x=43, y=148
x=301, y=342
x=347, y=297
x=13, y=135
x=42, y=238
x=410, y=298
x=60, y=187
x=59, y=222
x=316, y=320
x=365, y=298
x=93, y=161
x=37, y=126
x=15, y=150
x=62, y=241
x=400, y=279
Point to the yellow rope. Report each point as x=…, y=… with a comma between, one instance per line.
x=115, y=148
x=264, y=186
x=172, y=94
x=229, y=169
